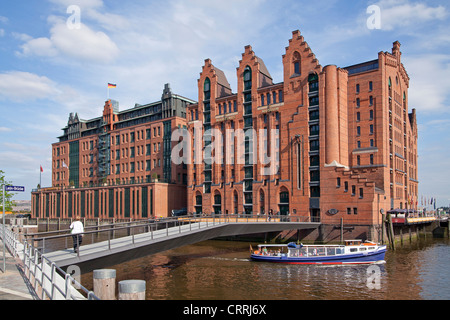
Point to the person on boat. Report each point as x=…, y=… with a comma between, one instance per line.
x=264, y=251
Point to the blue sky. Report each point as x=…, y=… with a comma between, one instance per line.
x=48, y=70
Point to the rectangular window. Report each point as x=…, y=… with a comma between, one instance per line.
x=355, y=211
x=361, y=193
x=371, y=159
x=370, y=86
x=353, y=190
x=371, y=129
x=357, y=88
x=358, y=131
x=338, y=182
x=349, y=211
x=345, y=186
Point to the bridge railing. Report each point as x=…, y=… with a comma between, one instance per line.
x=51, y=281
x=44, y=276
x=110, y=232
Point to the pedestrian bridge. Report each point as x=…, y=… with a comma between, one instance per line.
x=151, y=237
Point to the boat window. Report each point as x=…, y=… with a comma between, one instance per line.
x=371, y=248
x=353, y=249
x=362, y=249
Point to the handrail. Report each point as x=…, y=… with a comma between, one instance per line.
x=153, y=225
x=44, y=272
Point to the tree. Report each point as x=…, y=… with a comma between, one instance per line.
x=8, y=202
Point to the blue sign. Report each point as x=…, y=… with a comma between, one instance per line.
x=14, y=189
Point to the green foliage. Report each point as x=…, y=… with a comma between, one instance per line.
x=8, y=199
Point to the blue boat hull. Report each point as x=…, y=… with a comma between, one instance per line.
x=358, y=258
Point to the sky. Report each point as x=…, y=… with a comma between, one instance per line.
x=57, y=57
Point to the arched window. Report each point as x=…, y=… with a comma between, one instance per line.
x=296, y=62
x=198, y=203
x=207, y=89
x=262, y=209
x=247, y=78
x=284, y=201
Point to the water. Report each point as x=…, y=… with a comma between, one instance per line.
x=220, y=270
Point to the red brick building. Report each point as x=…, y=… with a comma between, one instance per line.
x=347, y=144
x=118, y=165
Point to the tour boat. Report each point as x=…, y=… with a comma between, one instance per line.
x=353, y=252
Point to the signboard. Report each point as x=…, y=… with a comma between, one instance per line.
x=14, y=189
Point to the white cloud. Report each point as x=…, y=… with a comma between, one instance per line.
x=403, y=13
x=4, y=129
x=25, y=86
x=83, y=44
x=430, y=84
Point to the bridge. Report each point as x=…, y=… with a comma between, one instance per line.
x=154, y=236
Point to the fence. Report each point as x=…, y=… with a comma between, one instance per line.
x=44, y=276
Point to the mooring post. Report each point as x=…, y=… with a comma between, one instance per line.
x=132, y=290
x=105, y=284
x=383, y=227
x=391, y=232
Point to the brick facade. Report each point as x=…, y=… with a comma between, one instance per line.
x=347, y=144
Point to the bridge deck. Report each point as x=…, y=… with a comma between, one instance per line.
x=113, y=252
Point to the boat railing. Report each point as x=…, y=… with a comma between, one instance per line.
x=303, y=251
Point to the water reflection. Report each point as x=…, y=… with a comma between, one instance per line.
x=217, y=270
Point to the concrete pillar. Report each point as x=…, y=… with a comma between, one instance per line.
x=331, y=115
x=105, y=284
x=132, y=290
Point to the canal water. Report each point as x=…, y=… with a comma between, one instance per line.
x=221, y=270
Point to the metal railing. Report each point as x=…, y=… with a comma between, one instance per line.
x=44, y=275
x=151, y=228
x=54, y=283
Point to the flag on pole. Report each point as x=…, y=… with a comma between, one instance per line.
x=42, y=170
x=112, y=86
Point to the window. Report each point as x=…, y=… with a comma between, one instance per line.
x=358, y=116
x=371, y=115
x=349, y=211
x=361, y=193
x=371, y=129
x=370, y=86
x=358, y=102
x=372, y=144
x=355, y=211
x=358, y=131
x=345, y=186
x=371, y=101
x=357, y=88
x=371, y=159
x=247, y=78
x=353, y=190
x=296, y=61
x=338, y=182
x=358, y=160
x=207, y=89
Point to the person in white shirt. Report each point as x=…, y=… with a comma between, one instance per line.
x=77, y=233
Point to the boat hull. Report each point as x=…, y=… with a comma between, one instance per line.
x=357, y=258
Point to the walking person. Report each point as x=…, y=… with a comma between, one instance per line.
x=77, y=233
